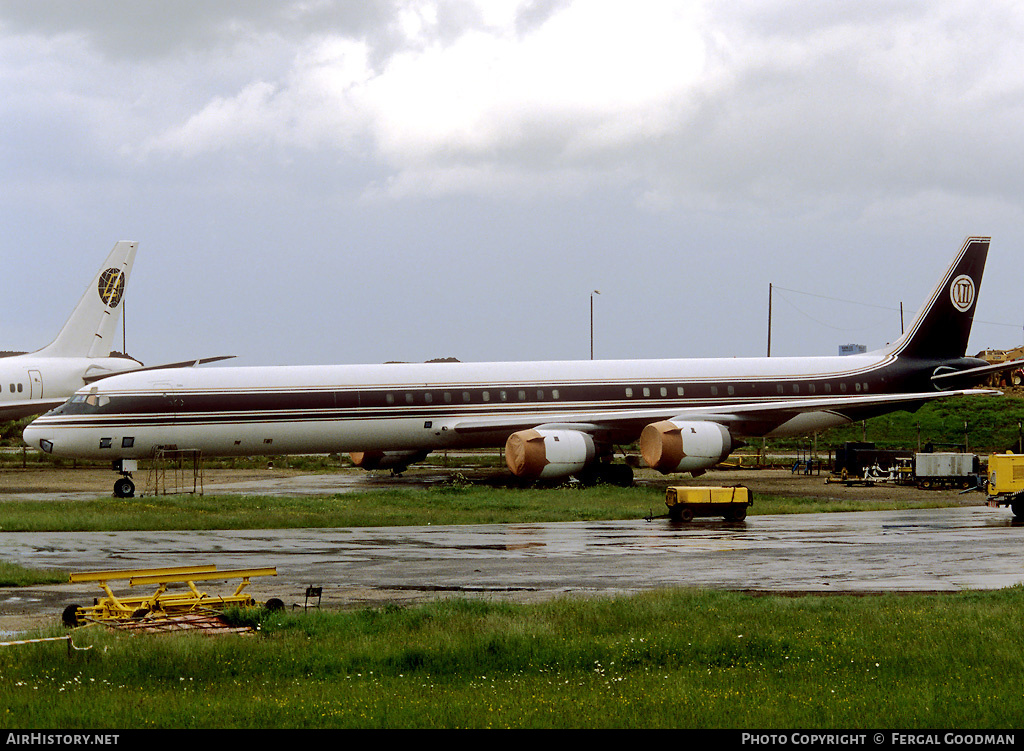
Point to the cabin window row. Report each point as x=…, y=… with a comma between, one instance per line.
x=17, y=387
x=448, y=397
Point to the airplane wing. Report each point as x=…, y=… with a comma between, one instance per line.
x=98, y=375
x=750, y=419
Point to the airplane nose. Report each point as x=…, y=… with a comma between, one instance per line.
x=36, y=437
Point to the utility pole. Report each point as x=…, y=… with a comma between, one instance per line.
x=595, y=292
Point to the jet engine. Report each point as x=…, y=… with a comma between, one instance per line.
x=670, y=446
x=543, y=454
x=397, y=461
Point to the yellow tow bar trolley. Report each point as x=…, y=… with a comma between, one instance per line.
x=161, y=602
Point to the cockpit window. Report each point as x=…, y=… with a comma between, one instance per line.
x=81, y=404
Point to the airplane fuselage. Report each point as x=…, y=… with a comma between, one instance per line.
x=339, y=408
x=32, y=385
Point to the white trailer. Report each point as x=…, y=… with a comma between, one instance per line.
x=946, y=470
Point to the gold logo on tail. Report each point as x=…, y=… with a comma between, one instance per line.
x=111, y=287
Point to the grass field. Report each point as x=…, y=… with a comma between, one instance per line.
x=666, y=659
x=452, y=504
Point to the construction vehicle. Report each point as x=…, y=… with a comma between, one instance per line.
x=684, y=503
x=1005, y=486
x=995, y=356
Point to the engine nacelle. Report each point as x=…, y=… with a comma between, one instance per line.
x=544, y=454
x=395, y=460
x=670, y=446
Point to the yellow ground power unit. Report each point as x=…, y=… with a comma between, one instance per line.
x=1005, y=486
x=684, y=503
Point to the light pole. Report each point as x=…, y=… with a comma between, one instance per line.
x=595, y=292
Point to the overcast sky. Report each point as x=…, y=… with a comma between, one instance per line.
x=360, y=181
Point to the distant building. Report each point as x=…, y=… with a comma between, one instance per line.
x=852, y=349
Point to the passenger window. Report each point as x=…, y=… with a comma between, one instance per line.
x=629, y=393
x=680, y=391
x=522, y=395
x=714, y=391
x=447, y=397
x=465, y=396
x=731, y=390
x=487, y=396
x=554, y=393
x=428, y=397
x=664, y=391
x=390, y=398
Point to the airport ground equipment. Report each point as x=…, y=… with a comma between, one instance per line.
x=1002, y=379
x=863, y=462
x=684, y=503
x=946, y=470
x=1005, y=486
x=161, y=602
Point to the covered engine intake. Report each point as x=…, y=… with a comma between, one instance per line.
x=670, y=446
x=543, y=454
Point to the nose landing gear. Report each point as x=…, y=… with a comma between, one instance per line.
x=124, y=487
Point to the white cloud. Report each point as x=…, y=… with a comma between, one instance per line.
x=595, y=78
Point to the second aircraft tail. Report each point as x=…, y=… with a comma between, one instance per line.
x=91, y=329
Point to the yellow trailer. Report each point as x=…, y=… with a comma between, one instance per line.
x=161, y=602
x=1005, y=486
x=684, y=503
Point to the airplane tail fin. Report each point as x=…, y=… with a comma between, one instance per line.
x=942, y=327
x=91, y=329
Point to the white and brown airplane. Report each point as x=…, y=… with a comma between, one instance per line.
x=554, y=419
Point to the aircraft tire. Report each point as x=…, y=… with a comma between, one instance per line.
x=124, y=488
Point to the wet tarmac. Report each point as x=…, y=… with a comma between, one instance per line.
x=934, y=550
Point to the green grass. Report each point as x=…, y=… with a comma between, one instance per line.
x=663, y=659
x=13, y=575
x=452, y=504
